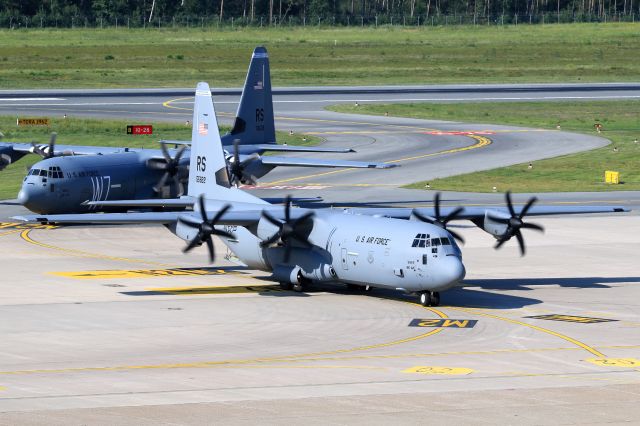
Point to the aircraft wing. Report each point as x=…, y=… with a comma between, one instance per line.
x=312, y=162
x=241, y=218
x=184, y=202
x=67, y=149
x=471, y=213
x=293, y=148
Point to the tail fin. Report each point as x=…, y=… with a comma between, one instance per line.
x=207, y=167
x=254, y=122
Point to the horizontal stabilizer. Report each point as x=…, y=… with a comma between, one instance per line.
x=294, y=148
x=314, y=162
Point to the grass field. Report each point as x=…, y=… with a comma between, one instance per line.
x=577, y=172
x=73, y=131
x=151, y=57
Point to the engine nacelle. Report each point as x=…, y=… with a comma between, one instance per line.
x=491, y=226
x=288, y=274
x=314, y=265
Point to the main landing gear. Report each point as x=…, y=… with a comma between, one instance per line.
x=429, y=298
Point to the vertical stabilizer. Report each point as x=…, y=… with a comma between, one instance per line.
x=207, y=167
x=254, y=123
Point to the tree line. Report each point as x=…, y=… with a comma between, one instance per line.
x=327, y=12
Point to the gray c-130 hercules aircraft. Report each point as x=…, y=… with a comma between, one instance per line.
x=398, y=248
x=69, y=176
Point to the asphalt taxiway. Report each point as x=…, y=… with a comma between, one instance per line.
x=113, y=325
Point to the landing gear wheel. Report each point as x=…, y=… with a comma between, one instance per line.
x=425, y=298
x=428, y=298
x=285, y=285
x=435, y=298
x=297, y=287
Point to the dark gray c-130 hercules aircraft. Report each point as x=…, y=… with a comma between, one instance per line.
x=71, y=176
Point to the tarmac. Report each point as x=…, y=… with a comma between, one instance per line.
x=113, y=325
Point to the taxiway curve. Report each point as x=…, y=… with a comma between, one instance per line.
x=424, y=149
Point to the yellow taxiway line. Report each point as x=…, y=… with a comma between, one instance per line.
x=482, y=141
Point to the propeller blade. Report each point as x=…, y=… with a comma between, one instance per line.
x=275, y=237
x=272, y=219
x=165, y=153
x=436, y=201
x=304, y=217
x=456, y=236
x=518, y=235
x=203, y=210
x=287, y=208
x=510, y=204
x=188, y=222
x=179, y=186
x=179, y=153
x=210, y=247
x=52, y=145
x=500, y=242
x=527, y=206
x=423, y=218
x=533, y=226
x=221, y=213
x=224, y=234
x=161, y=182
x=453, y=215
x=193, y=243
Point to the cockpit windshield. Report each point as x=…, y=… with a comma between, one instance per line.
x=54, y=172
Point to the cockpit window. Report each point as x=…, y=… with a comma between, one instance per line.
x=55, y=172
x=421, y=240
x=445, y=241
x=43, y=173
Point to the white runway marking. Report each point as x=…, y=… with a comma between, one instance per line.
x=31, y=99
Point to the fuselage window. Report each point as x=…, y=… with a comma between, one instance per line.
x=424, y=259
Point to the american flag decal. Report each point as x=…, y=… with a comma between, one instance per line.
x=258, y=85
x=203, y=129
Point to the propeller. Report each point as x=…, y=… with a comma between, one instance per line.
x=236, y=167
x=171, y=167
x=438, y=220
x=289, y=230
x=206, y=228
x=515, y=223
x=47, y=152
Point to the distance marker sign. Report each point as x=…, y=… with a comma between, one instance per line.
x=146, y=129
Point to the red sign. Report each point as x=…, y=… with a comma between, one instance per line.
x=146, y=129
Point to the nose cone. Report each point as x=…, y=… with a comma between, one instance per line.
x=32, y=198
x=450, y=271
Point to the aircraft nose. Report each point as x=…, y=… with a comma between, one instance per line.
x=450, y=272
x=29, y=197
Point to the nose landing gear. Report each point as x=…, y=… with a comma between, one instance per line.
x=430, y=298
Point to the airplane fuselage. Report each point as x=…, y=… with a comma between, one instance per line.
x=63, y=184
x=357, y=249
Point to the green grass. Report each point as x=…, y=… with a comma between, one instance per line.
x=59, y=58
x=577, y=172
x=73, y=131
